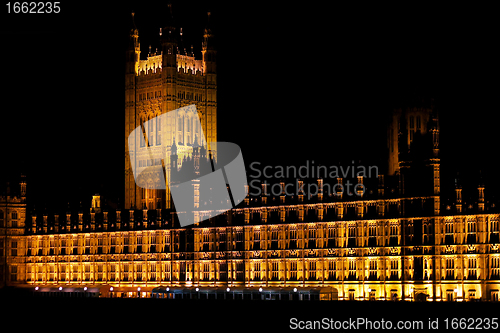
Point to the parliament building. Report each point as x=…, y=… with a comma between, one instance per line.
x=394, y=241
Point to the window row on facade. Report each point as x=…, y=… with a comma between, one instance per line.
x=187, y=95
x=148, y=95
x=320, y=235
x=197, y=97
x=393, y=268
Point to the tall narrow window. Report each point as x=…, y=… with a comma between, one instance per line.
x=373, y=270
x=142, y=139
x=293, y=270
x=352, y=270
x=180, y=126
x=158, y=130
x=150, y=130
x=450, y=269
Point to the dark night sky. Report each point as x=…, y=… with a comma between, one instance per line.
x=294, y=83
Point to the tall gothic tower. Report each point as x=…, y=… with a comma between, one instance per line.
x=166, y=80
x=413, y=143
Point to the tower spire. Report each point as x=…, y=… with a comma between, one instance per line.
x=208, y=49
x=134, y=48
x=180, y=47
x=169, y=17
x=207, y=35
x=169, y=41
x=134, y=27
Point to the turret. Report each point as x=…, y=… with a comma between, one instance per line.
x=68, y=220
x=480, y=201
x=458, y=196
x=96, y=203
x=56, y=223
x=105, y=220
x=45, y=223
x=33, y=223
x=381, y=187
x=118, y=219
x=131, y=219
x=134, y=49
x=80, y=220
x=210, y=73
x=22, y=184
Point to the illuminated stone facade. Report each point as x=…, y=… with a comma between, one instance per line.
x=387, y=244
x=166, y=80
x=375, y=255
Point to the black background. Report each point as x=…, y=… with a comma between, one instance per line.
x=296, y=82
